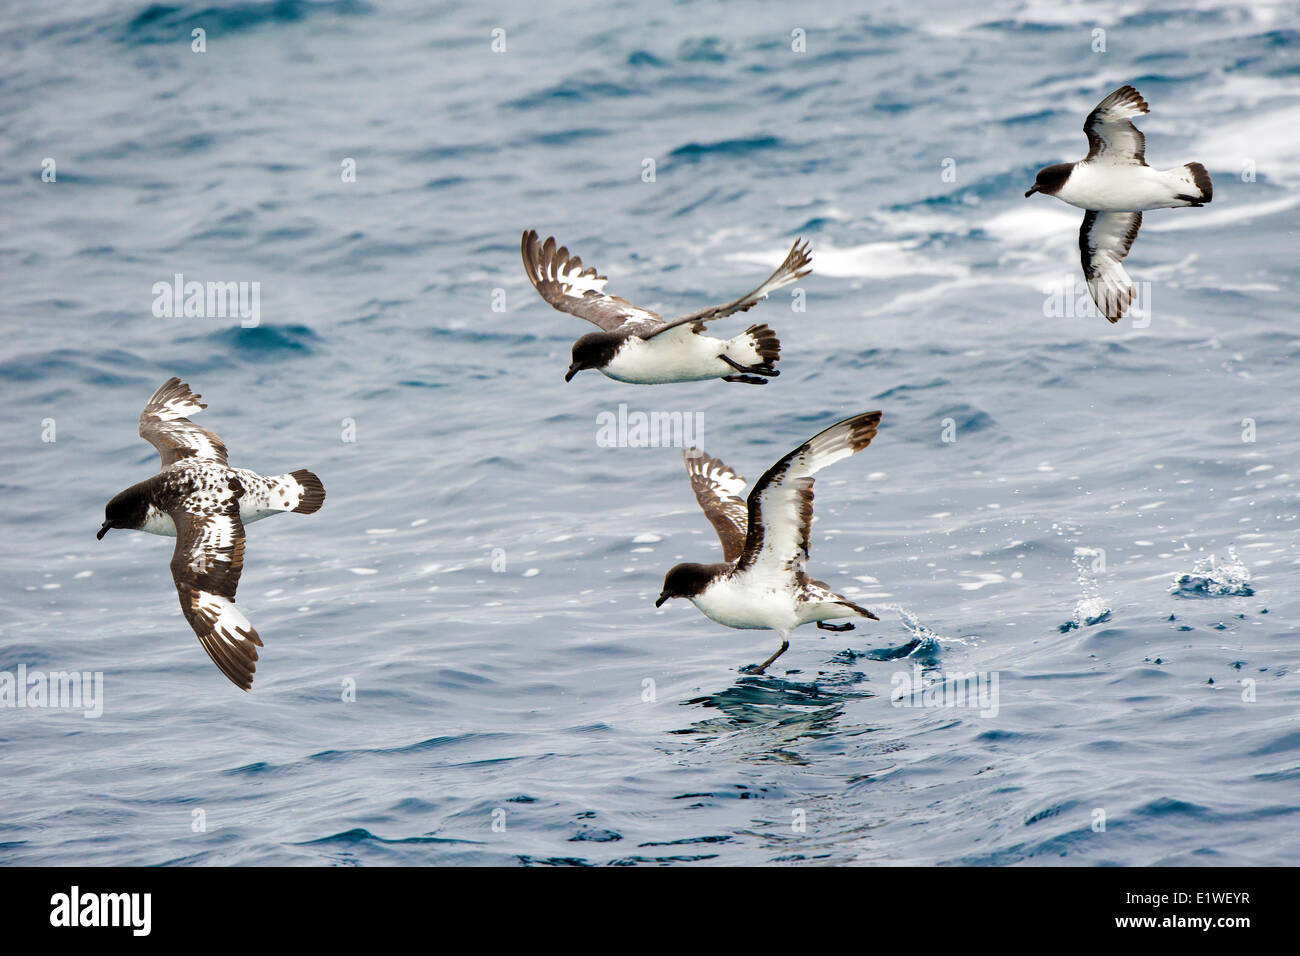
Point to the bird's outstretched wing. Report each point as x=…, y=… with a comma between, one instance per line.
x=795, y=267
x=163, y=424
x=1104, y=240
x=206, y=564
x=781, y=502
x=561, y=280
x=719, y=491
x=1112, y=137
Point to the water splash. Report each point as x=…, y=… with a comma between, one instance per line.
x=1087, y=612
x=1212, y=578
x=1091, y=608
x=923, y=644
x=928, y=640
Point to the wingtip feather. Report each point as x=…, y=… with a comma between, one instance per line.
x=173, y=399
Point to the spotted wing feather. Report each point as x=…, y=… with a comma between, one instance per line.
x=206, y=565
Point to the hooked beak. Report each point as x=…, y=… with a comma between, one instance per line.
x=573, y=370
x=1032, y=190
x=662, y=598
x=103, y=530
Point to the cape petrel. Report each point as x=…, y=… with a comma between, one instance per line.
x=1114, y=184
x=641, y=347
x=201, y=501
x=761, y=582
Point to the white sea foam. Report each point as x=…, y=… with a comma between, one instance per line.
x=872, y=260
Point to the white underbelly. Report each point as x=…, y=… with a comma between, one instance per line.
x=1119, y=188
x=742, y=608
x=160, y=522
x=671, y=357
x=823, y=610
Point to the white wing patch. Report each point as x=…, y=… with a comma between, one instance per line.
x=719, y=491
x=213, y=538
x=785, y=516
x=181, y=406
x=1104, y=240
x=579, y=283
x=227, y=636
x=226, y=622
x=781, y=504
x=726, y=481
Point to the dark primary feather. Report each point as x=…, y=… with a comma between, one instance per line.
x=1110, y=131
x=557, y=275
x=795, y=267
x=561, y=279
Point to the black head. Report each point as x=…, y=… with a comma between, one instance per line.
x=1050, y=179
x=594, y=350
x=127, y=510
x=687, y=580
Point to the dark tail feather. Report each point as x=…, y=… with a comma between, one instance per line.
x=1202, y=180
x=312, y=495
x=859, y=608
x=765, y=343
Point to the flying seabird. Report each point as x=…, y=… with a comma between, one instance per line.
x=639, y=346
x=204, y=503
x=1114, y=184
x=761, y=582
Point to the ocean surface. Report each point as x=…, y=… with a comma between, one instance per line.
x=463, y=663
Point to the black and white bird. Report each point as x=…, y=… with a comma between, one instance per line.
x=761, y=581
x=641, y=347
x=1115, y=184
x=203, y=503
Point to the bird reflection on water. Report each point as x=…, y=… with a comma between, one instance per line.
x=777, y=712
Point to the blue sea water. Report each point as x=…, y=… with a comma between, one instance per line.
x=1103, y=518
